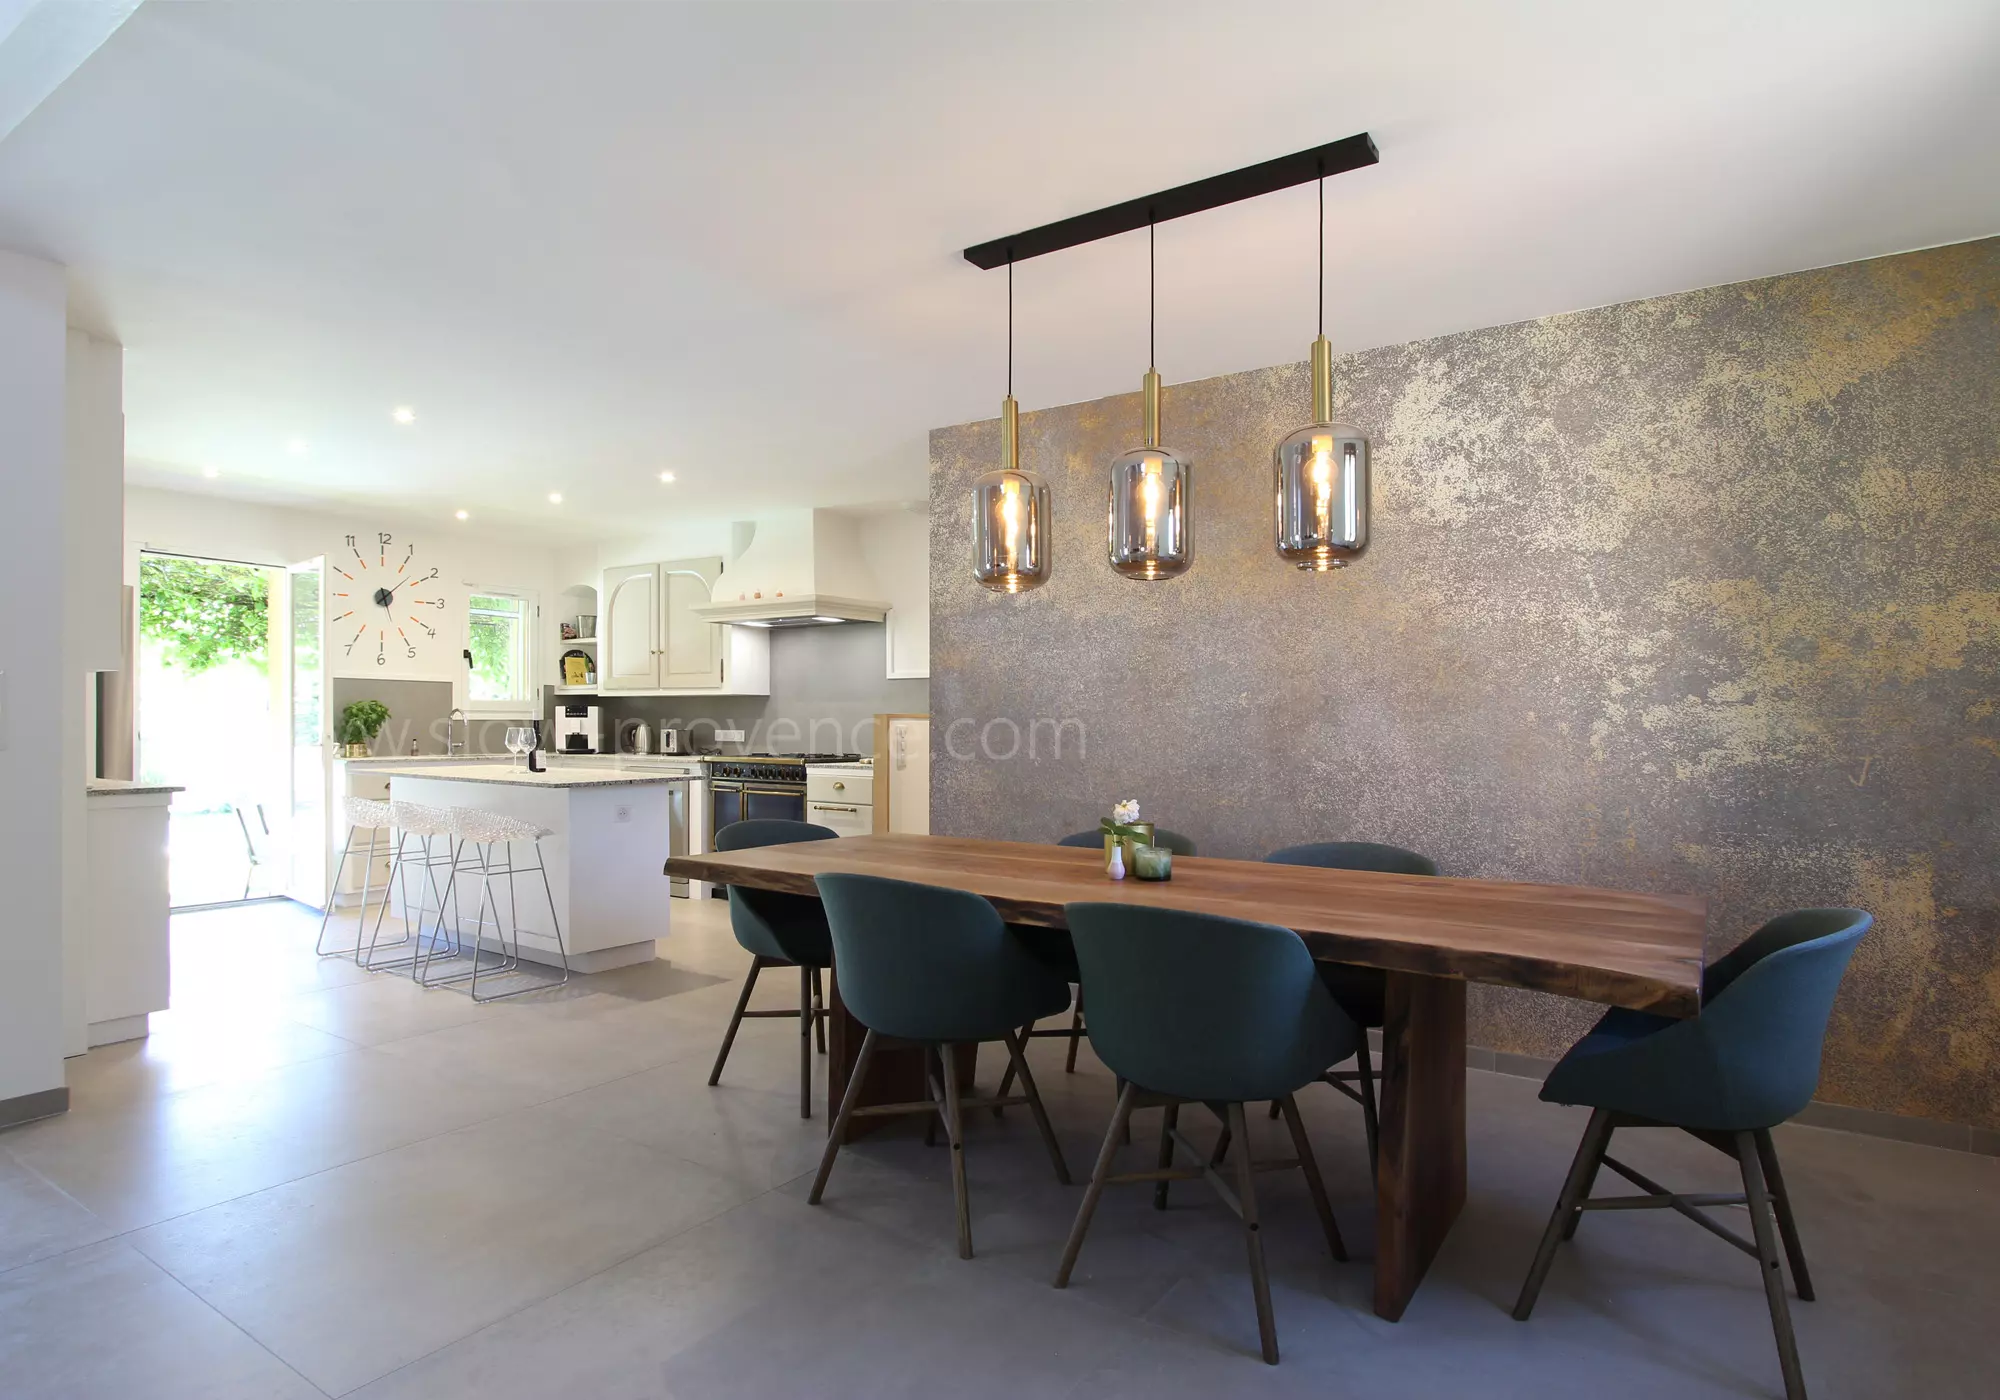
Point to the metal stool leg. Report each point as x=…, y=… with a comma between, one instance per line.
x=333, y=886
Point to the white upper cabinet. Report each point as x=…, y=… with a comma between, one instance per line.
x=628, y=629
x=649, y=638
x=691, y=650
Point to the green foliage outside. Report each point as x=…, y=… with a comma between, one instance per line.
x=492, y=632
x=361, y=721
x=204, y=615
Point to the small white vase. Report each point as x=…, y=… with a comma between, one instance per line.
x=1116, y=870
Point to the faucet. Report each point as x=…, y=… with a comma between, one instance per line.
x=453, y=745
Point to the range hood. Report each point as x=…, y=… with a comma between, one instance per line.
x=800, y=569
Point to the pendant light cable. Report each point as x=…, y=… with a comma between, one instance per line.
x=1010, y=328
x=1152, y=303
x=1322, y=255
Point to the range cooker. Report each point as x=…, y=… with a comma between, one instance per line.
x=761, y=785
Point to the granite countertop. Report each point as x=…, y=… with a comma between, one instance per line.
x=558, y=776
x=425, y=758
x=125, y=787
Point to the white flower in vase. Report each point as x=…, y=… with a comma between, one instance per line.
x=1125, y=813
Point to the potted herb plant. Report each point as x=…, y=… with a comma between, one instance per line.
x=359, y=723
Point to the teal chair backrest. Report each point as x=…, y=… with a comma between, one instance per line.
x=1205, y=1007
x=1751, y=1058
x=1355, y=855
x=770, y=923
x=932, y=964
x=1180, y=845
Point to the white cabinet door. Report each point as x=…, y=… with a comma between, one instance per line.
x=691, y=648
x=628, y=629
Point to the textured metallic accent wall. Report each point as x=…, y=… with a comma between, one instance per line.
x=1696, y=594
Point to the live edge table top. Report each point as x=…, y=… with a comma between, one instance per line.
x=1642, y=951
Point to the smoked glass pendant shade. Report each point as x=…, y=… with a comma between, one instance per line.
x=1010, y=517
x=1148, y=522
x=1322, y=482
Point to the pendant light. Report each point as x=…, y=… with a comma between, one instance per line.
x=1149, y=487
x=1322, y=470
x=1010, y=507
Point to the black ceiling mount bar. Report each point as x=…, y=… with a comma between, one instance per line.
x=1335, y=157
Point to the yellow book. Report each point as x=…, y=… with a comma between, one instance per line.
x=576, y=671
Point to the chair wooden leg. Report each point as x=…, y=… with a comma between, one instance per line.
x=954, y=1127
x=1371, y=1122
x=1113, y=1135
x=1767, y=1256
x=1007, y=1078
x=1788, y=1229
x=1315, y=1187
x=1170, y=1119
x=1018, y=1058
x=819, y=1009
x=1260, y=1281
x=735, y=1020
x=931, y=1120
x=1582, y=1170
x=847, y=1102
x=1075, y=1031
x=805, y=1042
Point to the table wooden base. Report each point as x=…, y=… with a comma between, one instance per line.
x=1420, y=1163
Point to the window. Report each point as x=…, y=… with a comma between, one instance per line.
x=500, y=636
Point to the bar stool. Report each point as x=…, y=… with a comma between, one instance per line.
x=361, y=812
x=483, y=832
x=417, y=829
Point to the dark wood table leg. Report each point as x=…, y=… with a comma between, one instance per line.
x=1420, y=1166
x=896, y=1076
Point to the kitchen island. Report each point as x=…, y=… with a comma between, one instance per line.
x=610, y=836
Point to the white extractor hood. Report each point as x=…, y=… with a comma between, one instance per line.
x=800, y=569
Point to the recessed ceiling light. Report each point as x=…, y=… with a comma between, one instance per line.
x=296, y=447
x=667, y=477
x=555, y=498
x=211, y=471
x=462, y=515
x=403, y=413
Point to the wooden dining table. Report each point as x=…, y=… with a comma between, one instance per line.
x=1431, y=935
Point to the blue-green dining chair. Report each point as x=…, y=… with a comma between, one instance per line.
x=779, y=930
x=1197, y=1008
x=1359, y=990
x=1748, y=1062
x=1053, y=945
x=938, y=969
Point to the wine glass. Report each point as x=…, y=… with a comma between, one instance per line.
x=513, y=741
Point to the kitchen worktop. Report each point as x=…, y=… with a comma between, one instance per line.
x=559, y=775
x=387, y=759
x=101, y=787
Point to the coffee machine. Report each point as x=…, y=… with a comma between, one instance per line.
x=578, y=729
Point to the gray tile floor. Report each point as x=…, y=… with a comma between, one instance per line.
x=315, y=1181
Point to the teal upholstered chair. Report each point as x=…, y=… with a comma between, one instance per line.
x=1359, y=990
x=1053, y=944
x=779, y=930
x=934, y=968
x=1748, y=1062
x=1195, y=1008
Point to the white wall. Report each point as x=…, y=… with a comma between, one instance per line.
x=92, y=617
x=38, y=680
x=215, y=527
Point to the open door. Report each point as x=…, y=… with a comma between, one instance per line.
x=312, y=735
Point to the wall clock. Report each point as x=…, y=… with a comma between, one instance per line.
x=388, y=607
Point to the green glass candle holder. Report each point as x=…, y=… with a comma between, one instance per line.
x=1152, y=862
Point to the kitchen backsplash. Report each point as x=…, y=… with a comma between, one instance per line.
x=418, y=710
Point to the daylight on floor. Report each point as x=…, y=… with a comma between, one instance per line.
x=886, y=698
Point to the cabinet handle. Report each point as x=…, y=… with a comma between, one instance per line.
x=840, y=787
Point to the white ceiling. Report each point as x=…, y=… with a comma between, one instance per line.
x=589, y=243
